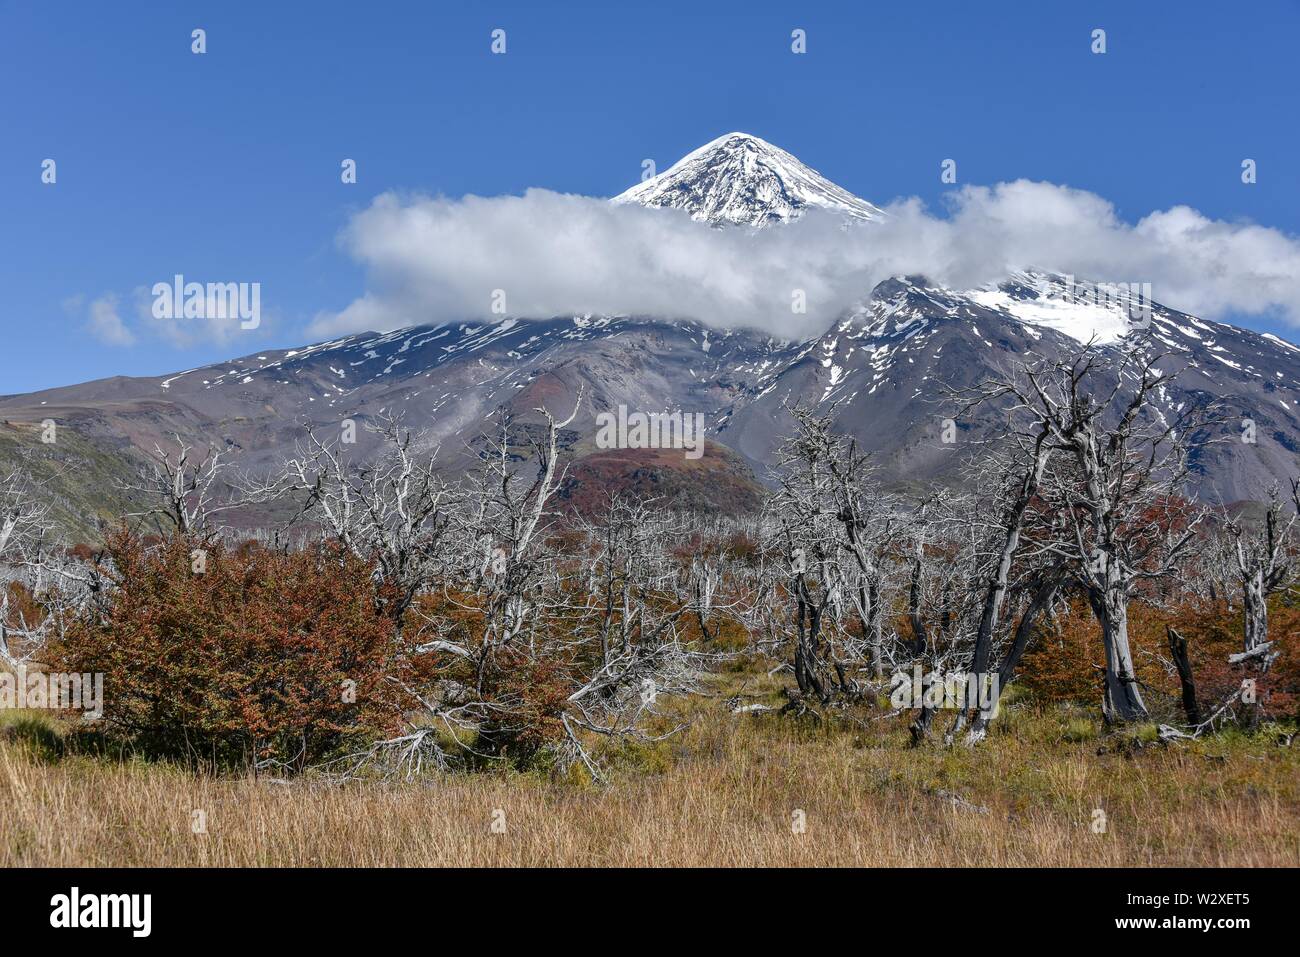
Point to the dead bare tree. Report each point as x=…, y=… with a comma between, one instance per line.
x=1115, y=490
x=526, y=635
x=943, y=555
x=807, y=521
x=395, y=510
x=1041, y=590
x=835, y=531
x=184, y=489
x=1007, y=479
x=1186, y=682
x=638, y=597
x=722, y=584
x=1264, y=564
x=41, y=586
x=490, y=582
x=24, y=524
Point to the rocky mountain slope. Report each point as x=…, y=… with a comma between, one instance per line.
x=886, y=366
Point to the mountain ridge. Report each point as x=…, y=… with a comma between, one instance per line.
x=884, y=365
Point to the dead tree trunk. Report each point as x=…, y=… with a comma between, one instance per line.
x=1122, y=701
x=873, y=629
x=871, y=623
x=810, y=670
x=995, y=594
x=1254, y=610
x=920, y=635
x=920, y=728
x=1264, y=565
x=867, y=594
x=1044, y=594
x=1178, y=651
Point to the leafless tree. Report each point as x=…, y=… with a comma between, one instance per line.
x=1007, y=480
x=1264, y=564
x=183, y=487
x=942, y=556
x=1117, y=489
x=806, y=518
x=834, y=529
x=525, y=632
x=395, y=510
x=35, y=564
x=637, y=599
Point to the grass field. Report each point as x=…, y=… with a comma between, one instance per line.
x=727, y=791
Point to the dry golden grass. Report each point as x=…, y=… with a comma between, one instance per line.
x=722, y=793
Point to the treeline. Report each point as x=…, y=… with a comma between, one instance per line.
x=403, y=621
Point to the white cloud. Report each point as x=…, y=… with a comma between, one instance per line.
x=105, y=324
x=434, y=259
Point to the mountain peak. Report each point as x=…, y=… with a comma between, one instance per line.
x=741, y=179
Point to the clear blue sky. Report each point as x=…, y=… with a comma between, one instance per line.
x=227, y=165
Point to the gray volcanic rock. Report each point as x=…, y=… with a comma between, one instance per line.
x=889, y=367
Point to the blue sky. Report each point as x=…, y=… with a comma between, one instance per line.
x=226, y=165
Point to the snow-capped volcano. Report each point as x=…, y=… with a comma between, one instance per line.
x=739, y=179
x=887, y=367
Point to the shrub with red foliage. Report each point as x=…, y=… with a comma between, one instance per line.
x=1213, y=637
x=278, y=658
x=1062, y=663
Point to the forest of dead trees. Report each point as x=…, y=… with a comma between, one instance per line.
x=403, y=621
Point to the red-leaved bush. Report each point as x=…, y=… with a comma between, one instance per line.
x=1063, y=663
x=260, y=656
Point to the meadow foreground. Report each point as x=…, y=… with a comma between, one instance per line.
x=725, y=792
